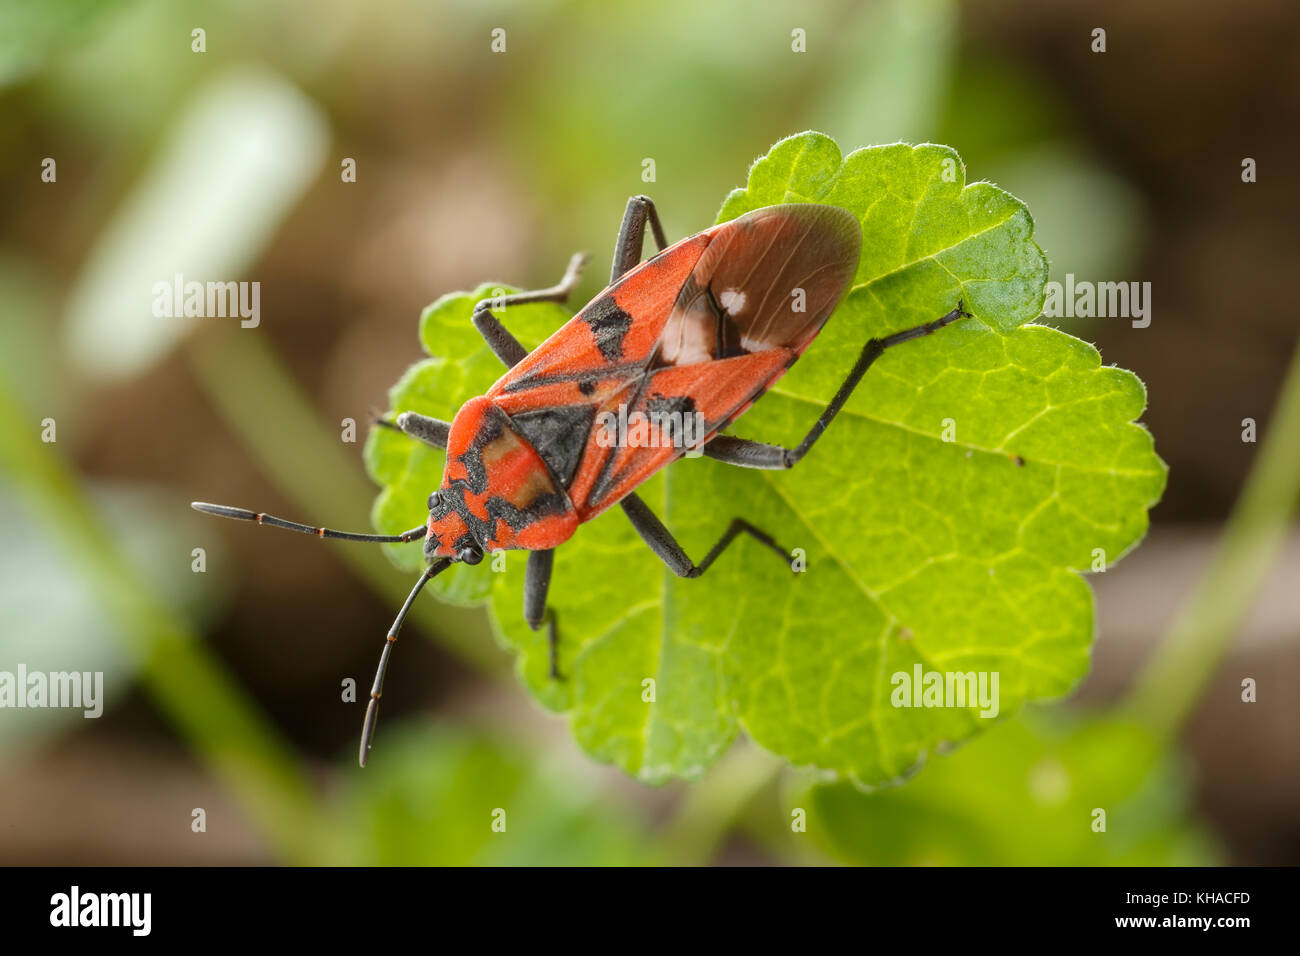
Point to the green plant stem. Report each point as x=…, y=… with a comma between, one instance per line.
x=1175, y=677
x=309, y=465
x=186, y=682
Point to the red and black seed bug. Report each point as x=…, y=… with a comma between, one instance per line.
x=704, y=328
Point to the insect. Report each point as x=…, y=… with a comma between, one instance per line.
x=702, y=329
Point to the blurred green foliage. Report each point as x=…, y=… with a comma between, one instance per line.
x=455, y=799
x=1025, y=794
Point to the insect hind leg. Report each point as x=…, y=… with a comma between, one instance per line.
x=504, y=345
x=662, y=543
x=753, y=454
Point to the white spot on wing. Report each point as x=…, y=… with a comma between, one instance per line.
x=732, y=301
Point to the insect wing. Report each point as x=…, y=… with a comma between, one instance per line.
x=756, y=298
x=700, y=331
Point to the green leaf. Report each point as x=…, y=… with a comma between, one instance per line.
x=944, y=517
x=1026, y=794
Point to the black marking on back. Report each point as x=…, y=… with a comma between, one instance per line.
x=670, y=412
x=609, y=324
x=543, y=506
x=669, y=404
x=560, y=436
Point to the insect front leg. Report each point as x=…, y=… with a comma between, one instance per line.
x=753, y=454
x=631, y=235
x=661, y=541
x=537, y=582
x=504, y=345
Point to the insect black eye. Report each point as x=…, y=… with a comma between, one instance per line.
x=470, y=555
x=435, y=499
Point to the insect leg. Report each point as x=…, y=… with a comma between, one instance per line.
x=662, y=543
x=504, y=345
x=537, y=582
x=753, y=454
x=744, y=453
x=631, y=235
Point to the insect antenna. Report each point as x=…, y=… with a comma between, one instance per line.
x=243, y=514
x=377, y=689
